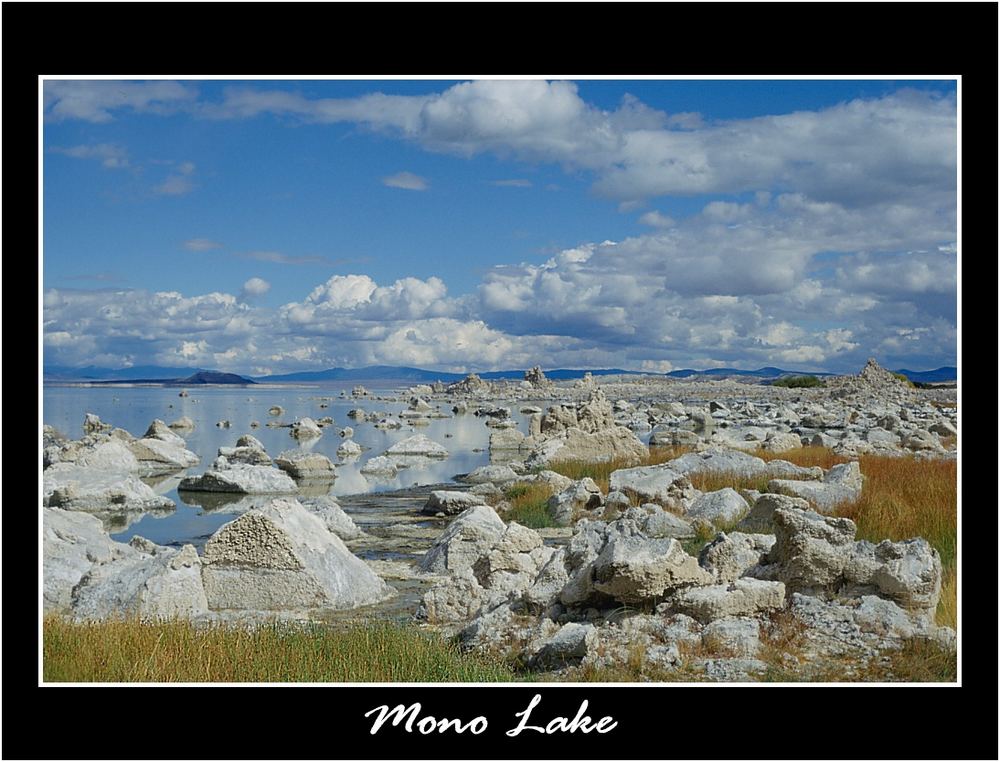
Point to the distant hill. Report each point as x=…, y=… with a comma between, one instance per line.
x=759, y=373
x=946, y=373
x=213, y=377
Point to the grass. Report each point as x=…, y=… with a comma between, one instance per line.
x=529, y=505
x=131, y=651
x=601, y=472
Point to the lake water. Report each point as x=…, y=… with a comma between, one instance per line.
x=466, y=438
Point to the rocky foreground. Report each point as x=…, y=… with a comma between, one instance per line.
x=616, y=580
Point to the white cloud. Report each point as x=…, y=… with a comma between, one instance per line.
x=110, y=155
x=178, y=182
x=858, y=153
x=256, y=287
x=657, y=220
x=201, y=244
x=95, y=100
x=406, y=181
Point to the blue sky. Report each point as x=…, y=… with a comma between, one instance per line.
x=259, y=226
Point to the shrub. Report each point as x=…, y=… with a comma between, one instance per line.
x=798, y=382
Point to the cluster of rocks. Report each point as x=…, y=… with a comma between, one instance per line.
x=284, y=558
x=102, y=472
x=247, y=469
x=872, y=412
x=615, y=590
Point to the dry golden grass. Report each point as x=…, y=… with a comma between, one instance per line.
x=806, y=457
x=601, y=472
x=130, y=651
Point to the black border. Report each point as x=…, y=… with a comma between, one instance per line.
x=661, y=722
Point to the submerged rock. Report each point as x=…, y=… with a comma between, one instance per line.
x=305, y=465
x=251, y=480
x=418, y=444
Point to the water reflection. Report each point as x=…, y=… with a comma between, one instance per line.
x=198, y=515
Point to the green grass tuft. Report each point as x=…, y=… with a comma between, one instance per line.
x=376, y=651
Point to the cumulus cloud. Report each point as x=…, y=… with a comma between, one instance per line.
x=822, y=237
x=865, y=151
x=255, y=287
x=110, y=155
x=96, y=100
x=406, y=181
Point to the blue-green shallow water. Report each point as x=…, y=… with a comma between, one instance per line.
x=133, y=408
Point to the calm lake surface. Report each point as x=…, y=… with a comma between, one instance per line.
x=466, y=438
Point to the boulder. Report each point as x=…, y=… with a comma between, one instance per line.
x=306, y=428
x=457, y=598
x=583, y=495
x=544, y=590
x=762, y=511
x=159, y=430
x=633, y=568
x=109, y=455
x=495, y=474
x=159, y=455
x=781, y=442
x=92, y=424
x=513, y=562
x=164, y=585
x=731, y=555
x=614, y=443
x=921, y=440
x=450, y=502
x=380, y=465
x=239, y=478
x=276, y=410
x=725, y=506
x=81, y=488
x=743, y=597
x=468, y=537
x=349, y=449
x=817, y=555
x=72, y=543
x=656, y=522
x=567, y=646
x=333, y=516
x=507, y=439
x=841, y=484
x=418, y=444
x=281, y=557
x=305, y=465
x=660, y=484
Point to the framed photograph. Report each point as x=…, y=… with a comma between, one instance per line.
x=503, y=415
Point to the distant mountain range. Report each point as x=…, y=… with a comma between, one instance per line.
x=194, y=376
